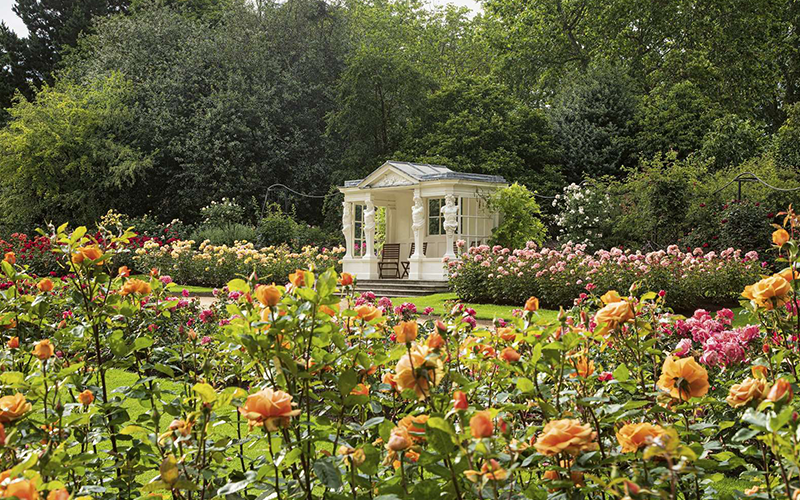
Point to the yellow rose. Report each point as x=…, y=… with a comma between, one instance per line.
x=567, y=435
x=532, y=304
x=683, y=378
x=43, y=350
x=780, y=237
x=612, y=316
x=406, y=331
x=610, y=297
x=268, y=295
x=633, y=436
x=770, y=292
x=749, y=390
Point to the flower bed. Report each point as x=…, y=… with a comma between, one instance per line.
x=304, y=391
x=557, y=276
x=212, y=265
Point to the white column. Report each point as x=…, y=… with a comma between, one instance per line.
x=369, y=229
x=347, y=228
x=450, y=211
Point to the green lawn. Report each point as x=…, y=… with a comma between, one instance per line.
x=491, y=311
x=176, y=287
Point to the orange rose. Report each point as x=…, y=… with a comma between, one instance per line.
x=388, y=378
x=136, y=286
x=759, y=371
x=781, y=392
x=780, y=237
x=91, y=253
x=298, y=278
x=360, y=390
x=327, y=310
x=510, y=355
x=610, y=297
x=576, y=477
x=368, y=312
x=399, y=439
x=633, y=436
x=13, y=407
x=683, y=378
x=584, y=367
x=269, y=408
x=434, y=341
x=11, y=258
x=415, y=425
x=481, y=425
x=21, y=488
x=406, y=331
x=13, y=343
x=460, y=401
x=46, y=285
x=43, y=349
x=567, y=435
x=507, y=334
x=154, y=272
x=490, y=470
x=59, y=494
x=123, y=272
x=532, y=304
x=770, y=292
x=2, y=435
x=346, y=279
x=612, y=316
x=787, y=274
x=409, y=372
x=752, y=389
x=269, y=296
x=86, y=397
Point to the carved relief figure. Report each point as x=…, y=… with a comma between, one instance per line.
x=450, y=211
x=417, y=214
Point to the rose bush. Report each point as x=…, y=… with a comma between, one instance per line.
x=562, y=275
x=303, y=391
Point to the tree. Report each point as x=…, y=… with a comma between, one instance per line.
x=477, y=125
x=594, y=122
x=732, y=141
x=62, y=155
x=787, y=140
x=519, y=217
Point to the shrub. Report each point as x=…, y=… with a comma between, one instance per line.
x=584, y=214
x=222, y=213
x=519, y=221
x=226, y=234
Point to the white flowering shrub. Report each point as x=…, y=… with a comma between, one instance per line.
x=220, y=213
x=584, y=215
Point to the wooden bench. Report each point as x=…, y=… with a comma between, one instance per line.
x=390, y=260
x=407, y=265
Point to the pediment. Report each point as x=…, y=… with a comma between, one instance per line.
x=387, y=176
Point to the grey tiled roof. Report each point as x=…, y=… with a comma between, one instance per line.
x=426, y=172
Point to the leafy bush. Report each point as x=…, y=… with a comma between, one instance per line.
x=584, y=214
x=226, y=234
x=519, y=221
x=222, y=213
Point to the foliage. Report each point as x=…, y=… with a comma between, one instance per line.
x=223, y=212
x=295, y=391
x=787, y=139
x=732, y=141
x=689, y=278
x=519, y=216
x=593, y=119
x=584, y=215
x=225, y=234
x=63, y=153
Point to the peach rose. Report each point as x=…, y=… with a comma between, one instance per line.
x=752, y=389
x=269, y=408
x=415, y=425
x=346, y=279
x=368, y=312
x=268, y=295
x=506, y=333
x=610, y=297
x=787, y=274
x=13, y=343
x=434, y=341
x=13, y=407
x=460, y=401
x=683, y=378
x=10, y=257
x=91, y=252
x=136, y=286
x=780, y=237
x=46, y=285
x=59, y=494
x=399, y=439
x=21, y=488
x=409, y=373
x=584, y=367
x=510, y=355
x=759, y=371
x=781, y=391
x=43, y=349
x=86, y=397
x=123, y=272
x=406, y=331
x=481, y=425
x=360, y=390
x=567, y=435
x=532, y=304
x=612, y=316
x=298, y=278
x=633, y=436
x=388, y=378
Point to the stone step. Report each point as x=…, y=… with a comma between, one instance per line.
x=402, y=287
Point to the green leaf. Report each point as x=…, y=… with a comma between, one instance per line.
x=328, y=473
x=206, y=392
x=238, y=285
x=621, y=374
x=142, y=343
x=525, y=384
x=229, y=488
x=347, y=381
x=440, y=434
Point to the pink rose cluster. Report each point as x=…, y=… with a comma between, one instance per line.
x=722, y=344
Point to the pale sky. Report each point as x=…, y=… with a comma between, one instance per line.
x=15, y=23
